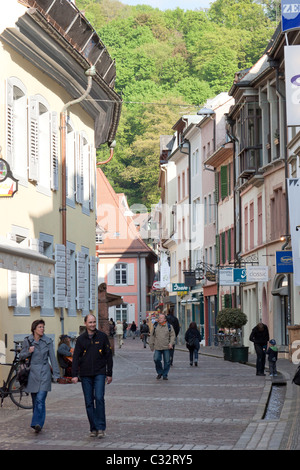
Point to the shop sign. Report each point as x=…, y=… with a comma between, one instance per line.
x=179, y=287
x=290, y=14
x=8, y=184
x=257, y=273
x=284, y=261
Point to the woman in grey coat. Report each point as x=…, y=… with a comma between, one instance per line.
x=40, y=348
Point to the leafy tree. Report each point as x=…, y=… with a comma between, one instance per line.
x=166, y=61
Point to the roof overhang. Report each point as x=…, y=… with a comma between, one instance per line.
x=224, y=152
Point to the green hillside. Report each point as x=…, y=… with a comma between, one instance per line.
x=168, y=64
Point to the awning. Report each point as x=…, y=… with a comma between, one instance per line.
x=16, y=258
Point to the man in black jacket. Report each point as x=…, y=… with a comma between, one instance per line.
x=175, y=323
x=260, y=337
x=92, y=360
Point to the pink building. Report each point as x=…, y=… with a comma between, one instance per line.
x=126, y=263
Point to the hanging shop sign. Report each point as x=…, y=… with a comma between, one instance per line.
x=290, y=14
x=284, y=262
x=8, y=184
x=293, y=198
x=292, y=84
x=257, y=273
x=226, y=277
x=179, y=287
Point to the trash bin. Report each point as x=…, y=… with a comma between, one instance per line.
x=236, y=353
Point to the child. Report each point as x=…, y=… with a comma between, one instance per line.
x=272, y=356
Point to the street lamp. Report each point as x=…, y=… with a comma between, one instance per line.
x=211, y=113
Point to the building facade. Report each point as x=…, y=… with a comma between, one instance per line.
x=49, y=142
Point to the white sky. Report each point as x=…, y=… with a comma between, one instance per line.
x=171, y=4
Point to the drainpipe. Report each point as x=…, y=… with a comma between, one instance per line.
x=63, y=133
x=112, y=146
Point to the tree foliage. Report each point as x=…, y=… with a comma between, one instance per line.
x=169, y=63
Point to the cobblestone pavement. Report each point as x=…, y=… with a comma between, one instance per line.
x=218, y=405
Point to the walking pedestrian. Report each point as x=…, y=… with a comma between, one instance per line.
x=144, y=332
x=64, y=355
x=92, y=360
x=125, y=325
x=133, y=329
x=175, y=323
x=193, y=338
x=40, y=348
x=272, y=354
x=162, y=339
x=119, y=333
x=260, y=337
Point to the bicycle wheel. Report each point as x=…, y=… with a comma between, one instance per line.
x=18, y=396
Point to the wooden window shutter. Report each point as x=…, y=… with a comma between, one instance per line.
x=80, y=280
x=37, y=282
x=60, y=276
x=224, y=181
x=54, y=151
x=93, y=283
x=9, y=122
x=33, y=139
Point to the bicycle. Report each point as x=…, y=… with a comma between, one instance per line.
x=11, y=386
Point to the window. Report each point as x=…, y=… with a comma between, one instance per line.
x=259, y=221
x=251, y=221
x=278, y=211
x=121, y=274
x=19, y=282
x=43, y=144
x=246, y=223
x=121, y=313
x=16, y=128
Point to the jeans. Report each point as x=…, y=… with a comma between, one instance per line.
x=193, y=355
x=158, y=354
x=260, y=358
x=39, y=408
x=93, y=391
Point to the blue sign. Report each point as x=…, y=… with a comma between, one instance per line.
x=290, y=14
x=239, y=275
x=284, y=261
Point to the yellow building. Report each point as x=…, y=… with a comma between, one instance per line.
x=58, y=105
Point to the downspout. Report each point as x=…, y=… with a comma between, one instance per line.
x=112, y=146
x=63, y=138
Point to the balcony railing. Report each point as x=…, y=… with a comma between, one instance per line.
x=250, y=161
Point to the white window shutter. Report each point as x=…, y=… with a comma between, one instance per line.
x=69, y=277
x=37, y=282
x=80, y=280
x=33, y=139
x=12, y=288
x=93, y=284
x=9, y=122
x=92, y=177
x=131, y=313
x=110, y=274
x=78, y=169
x=130, y=271
x=60, y=276
x=54, y=151
x=101, y=273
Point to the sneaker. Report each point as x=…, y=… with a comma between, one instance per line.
x=37, y=428
x=100, y=434
x=196, y=364
x=93, y=434
x=158, y=376
x=165, y=378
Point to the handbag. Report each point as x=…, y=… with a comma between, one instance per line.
x=23, y=371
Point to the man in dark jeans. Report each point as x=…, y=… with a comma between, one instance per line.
x=92, y=360
x=260, y=337
x=175, y=323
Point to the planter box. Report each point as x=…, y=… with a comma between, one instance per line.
x=236, y=353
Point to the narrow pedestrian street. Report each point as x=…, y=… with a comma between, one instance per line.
x=208, y=407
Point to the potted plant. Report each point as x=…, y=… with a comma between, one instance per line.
x=233, y=319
